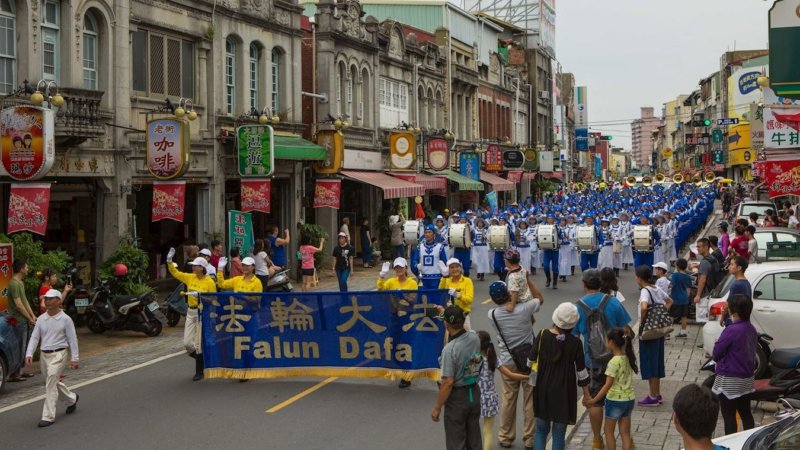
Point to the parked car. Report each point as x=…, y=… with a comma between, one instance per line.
x=763, y=237
x=11, y=357
x=784, y=433
x=776, y=304
x=753, y=206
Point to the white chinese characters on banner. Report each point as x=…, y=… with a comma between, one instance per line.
x=781, y=121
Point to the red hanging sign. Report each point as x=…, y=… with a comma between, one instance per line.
x=168, y=200
x=438, y=154
x=493, y=161
x=782, y=177
x=327, y=193
x=27, y=208
x=28, y=141
x=256, y=195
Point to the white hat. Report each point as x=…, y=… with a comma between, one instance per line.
x=565, y=316
x=399, y=262
x=394, y=219
x=199, y=261
x=452, y=261
x=248, y=261
x=342, y=234
x=661, y=265
x=52, y=293
x=205, y=251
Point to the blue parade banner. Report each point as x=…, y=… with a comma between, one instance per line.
x=373, y=334
x=582, y=139
x=491, y=197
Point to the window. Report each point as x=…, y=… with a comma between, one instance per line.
x=365, y=99
x=90, y=31
x=50, y=42
x=277, y=69
x=255, y=82
x=787, y=286
x=230, y=76
x=8, y=47
x=162, y=65
x=393, y=103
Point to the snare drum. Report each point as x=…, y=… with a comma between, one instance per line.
x=499, y=237
x=412, y=232
x=617, y=247
x=459, y=236
x=586, y=238
x=548, y=237
x=643, y=238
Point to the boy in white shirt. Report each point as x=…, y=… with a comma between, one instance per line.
x=661, y=269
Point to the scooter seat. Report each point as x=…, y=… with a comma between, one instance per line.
x=785, y=358
x=122, y=300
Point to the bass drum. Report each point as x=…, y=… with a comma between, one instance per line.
x=617, y=247
x=643, y=238
x=586, y=238
x=412, y=232
x=548, y=237
x=499, y=237
x=459, y=236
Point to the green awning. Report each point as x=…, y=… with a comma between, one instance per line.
x=464, y=183
x=295, y=147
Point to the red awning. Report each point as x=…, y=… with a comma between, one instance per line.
x=392, y=187
x=498, y=184
x=430, y=183
x=528, y=176
x=555, y=175
x=515, y=176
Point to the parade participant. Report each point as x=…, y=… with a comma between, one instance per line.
x=523, y=244
x=589, y=257
x=499, y=261
x=459, y=287
x=672, y=228
x=307, y=252
x=343, y=261
x=458, y=390
x=651, y=352
x=606, y=258
x=574, y=253
x=20, y=309
x=246, y=282
x=533, y=239
x=660, y=251
x=56, y=332
x=565, y=243
x=617, y=238
x=480, y=254
x=400, y=282
x=197, y=281
x=645, y=257
x=278, y=246
x=49, y=278
x=427, y=258
x=464, y=254
x=626, y=231
x=396, y=230
x=550, y=256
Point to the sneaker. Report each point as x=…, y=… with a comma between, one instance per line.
x=682, y=334
x=660, y=400
x=648, y=401
x=404, y=384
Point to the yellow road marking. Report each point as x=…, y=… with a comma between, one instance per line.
x=487, y=301
x=299, y=396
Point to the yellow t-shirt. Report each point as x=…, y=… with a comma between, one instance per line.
x=463, y=287
x=393, y=284
x=193, y=284
x=239, y=284
x=620, y=369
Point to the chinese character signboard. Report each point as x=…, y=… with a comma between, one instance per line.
x=469, y=165
x=27, y=207
x=697, y=138
x=756, y=126
x=327, y=193
x=333, y=143
x=240, y=231
x=167, y=148
x=168, y=200
x=493, y=159
x=256, y=150
x=256, y=195
x=513, y=159
x=438, y=154
x=6, y=257
x=782, y=177
x=28, y=141
x=402, y=150
x=782, y=128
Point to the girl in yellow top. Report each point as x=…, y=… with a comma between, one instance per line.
x=197, y=281
x=401, y=281
x=459, y=287
x=246, y=282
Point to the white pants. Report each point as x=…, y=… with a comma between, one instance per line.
x=191, y=332
x=53, y=364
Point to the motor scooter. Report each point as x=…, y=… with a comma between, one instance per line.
x=279, y=282
x=108, y=311
x=77, y=299
x=175, y=306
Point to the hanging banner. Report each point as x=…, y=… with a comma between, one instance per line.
x=782, y=177
x=28, y=141
x=782, y=123
x=327, y=194
x=255, y=195
x=27, y=207
x=333, y=143
x=6, y=273
x=375, y=334
x=168, y=148
x=438, y=154
x=402, y=206
x=168, y=200
x=401, y=150
x=256, y=150
x=240, y=231
x=491, y=197
x=469, y=165
x=493, y=159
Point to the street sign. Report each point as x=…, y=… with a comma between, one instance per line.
x=716, y=136
x=718, y=156
x=728, y=121
x=697, y=139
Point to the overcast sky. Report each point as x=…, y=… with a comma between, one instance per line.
x=633, y=53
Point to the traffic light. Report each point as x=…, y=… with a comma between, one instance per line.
x=700, y=121
x=606, y=138
x=706, y=122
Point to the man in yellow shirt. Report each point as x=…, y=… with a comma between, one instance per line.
x=246, y=282
x=197, y=281
x=400, y=282
x=459, y=287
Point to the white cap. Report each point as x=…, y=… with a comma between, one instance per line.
x=205, y=251
x=248, y=261
x=399, y=262
x=661, y=265
x=52, y=293
x=199, y=261
x=452, y=261
x=565, y=316
x=342, y=234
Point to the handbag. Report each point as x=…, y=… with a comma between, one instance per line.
x=535, y=363
x=519, y=354
x=657, y=322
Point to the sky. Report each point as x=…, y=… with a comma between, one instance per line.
x=634, y=53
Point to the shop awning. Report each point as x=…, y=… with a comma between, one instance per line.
x=498, y=184
x=392, y=187
x=430, y=183
x=515, y=176
x=464, y=183
x=553, y=175
x=528, y=176
x=295, y=147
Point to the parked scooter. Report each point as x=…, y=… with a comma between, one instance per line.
x=77, y=299
x=175, y=306
x=279, y=282
x=763, y=353
x=108, y=311
x=784, y=364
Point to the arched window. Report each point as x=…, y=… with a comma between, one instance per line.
x=8, y=47
x=90, y=44
x=51, y=23
x=255, y=78
x=341, y=91
x=230, y=75
x=352, y=94
x=430, y=102
x=439, y=110
x=277, y=78
x=422, y=109
x=366, y=99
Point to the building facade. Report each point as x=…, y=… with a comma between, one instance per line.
x=641, y=138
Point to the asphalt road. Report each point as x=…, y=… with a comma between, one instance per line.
x=158, y=406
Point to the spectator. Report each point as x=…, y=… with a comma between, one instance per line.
x=307, y=251
x=262, y=262
x=609, y=285
x=707, y=270
x=396, y=230
x=489, y=401
x=791, y=220
x=366, y=244
x=754, y=221
x=20, y=309
x=740, y=285
x=236, y=262
x=695, y=410
x=713, y=244
x=724, y=239
x=216, y=252
x=343, y=261
x=520, y=285
x=615, y=316
x=661, y=269
x=651, y=352
x=739, y=244
x=752, y=244
x=212, y=270
x=278, y=247
x=681, y=289
x=345, y=228
x=49, y=278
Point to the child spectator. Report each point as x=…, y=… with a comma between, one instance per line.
x=307, y=252
x=681, y=287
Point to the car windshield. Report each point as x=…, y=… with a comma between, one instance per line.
x=723, y=287
x=760, y=208
x=783, y=435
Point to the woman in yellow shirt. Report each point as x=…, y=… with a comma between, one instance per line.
x=400, y=282
x=197, y=281
x=246, y=282
x=459, y=287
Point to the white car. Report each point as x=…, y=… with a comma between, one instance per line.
x=776, y=304
x=782, y=434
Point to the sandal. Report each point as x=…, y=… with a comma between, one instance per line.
x=27, y=375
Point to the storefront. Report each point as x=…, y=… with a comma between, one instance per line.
x=462, y=192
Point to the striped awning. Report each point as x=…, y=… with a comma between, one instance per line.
x=498, y=184
x=553, y=175
x=392, y=187
x=464, y=183
x=515, y=176
x=430, y=183
x=528, y=176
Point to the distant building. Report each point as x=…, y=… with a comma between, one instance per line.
x=641, y=141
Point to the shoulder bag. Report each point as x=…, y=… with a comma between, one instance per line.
x=519, y=353
x=657, y=322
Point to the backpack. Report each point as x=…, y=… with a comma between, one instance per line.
x=597, y=328
x=715, y=275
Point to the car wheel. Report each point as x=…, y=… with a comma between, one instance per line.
x=761, y=363
x=3, y=373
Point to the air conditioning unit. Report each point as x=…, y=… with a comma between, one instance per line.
x=545, y=95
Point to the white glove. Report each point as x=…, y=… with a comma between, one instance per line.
x=443, y=268
x=453, y=293
x=383, y=274
x=223, y=261
x=419, y=268
x=170, y=254
x=385, y=269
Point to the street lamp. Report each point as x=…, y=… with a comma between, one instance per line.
x=340, y=123
x=183, y=105
x=37, y=98
x=448, y=135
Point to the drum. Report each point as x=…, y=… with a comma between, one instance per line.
x=643, y=238
x=617, y=247
x=499, y=237
x=586, y=238
x=459, y=236
x=412, y=232
x=548, y=237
